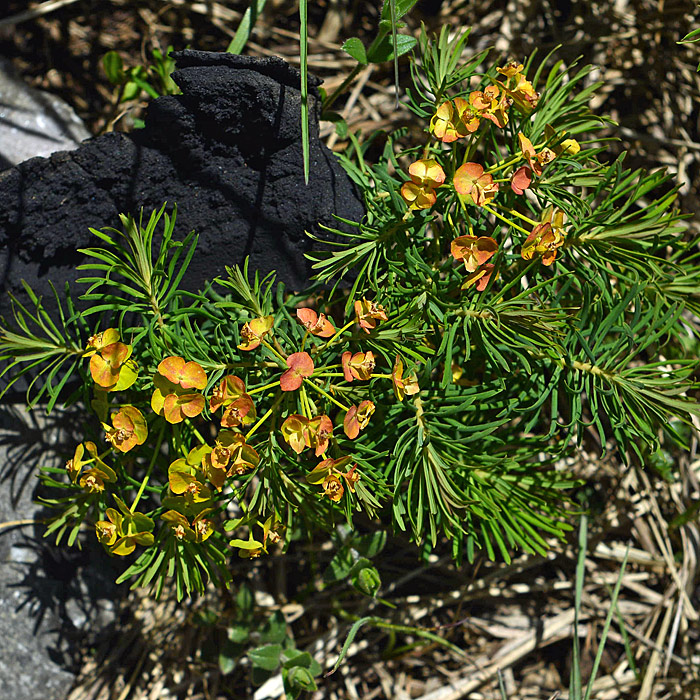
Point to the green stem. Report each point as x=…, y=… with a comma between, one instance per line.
x=520, y=216
x=341, y=88
x=327, y=395
x=258, y=389
x=273, y=350
x=268, y=413
x=505, y=219
x=334, y=337
x=156, y=452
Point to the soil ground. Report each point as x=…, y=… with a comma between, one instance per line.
x=514, y=622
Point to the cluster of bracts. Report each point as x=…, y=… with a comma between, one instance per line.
x=178, y=394
x=475, y=185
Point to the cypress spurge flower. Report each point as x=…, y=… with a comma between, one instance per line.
x=231, y=455
x=173, y=398
x=488, y=105
x=240, y=412
x=318, y=433
x=316, y=324
x=403, y=385
x=357, y=418
x=546, y=238
x=254, y=331
x=294, y=431
x=358, y=366
x=300, y=432
x=518, y=87
x=476, y=186
x=368, y=313
x=200, y=530
x=186, y=477
x=300, y=366
x=75, y=465
x=128, y=429
x=419, y=192
x=453, y=120
x=226, y=392
x=328, y=474
x=536, y=161
x=473, y=251
x=110, y=366
x=122, y=531
x=243, y=456
x=92, y=479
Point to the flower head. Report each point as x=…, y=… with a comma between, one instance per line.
x=122, y=531
x=128, y=429
x=254, y=331
x=476, y=186
x=488, y=105
x=316, y=324
x=294, y=431
x=173, y=398
x=300, y=366
x=319, y=431
x=226, y=392
x=110, y=366
x=358, y=366
x=453, y=120
x=328, y=473
x=546, y=238
x=403, y=385
x=239, y=412
x=518, y=88
x=368, y=313
x=473, y=251
x=536, y=161
x=357, y=418
x=200, y=530
x=186, y=478
x=426, y=175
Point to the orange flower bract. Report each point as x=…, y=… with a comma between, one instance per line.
x=316, y=324
x=476, y=186
x=300, y=365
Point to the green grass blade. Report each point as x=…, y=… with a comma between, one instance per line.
x=303, y=56
x=245, y=28
x=606, y=627
x=575, y=681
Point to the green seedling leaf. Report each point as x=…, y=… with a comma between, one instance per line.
x=340, y=566
x=274, y=631
x=266, y=657
x=114, y=68
x=356, y=49
x=402, y=7
x=300, y=678
x=367, y=581
x=238, y=633
x=131, y=91
x=371, y=544
x=351, y=636
x=245, y=599
x=383, y=50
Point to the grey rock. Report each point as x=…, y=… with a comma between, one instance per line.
x=33, y=122
x=51, y=598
